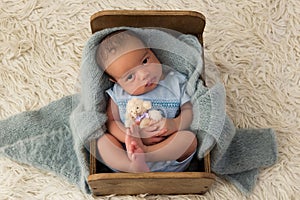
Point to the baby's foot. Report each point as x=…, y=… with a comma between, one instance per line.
x=135, y=151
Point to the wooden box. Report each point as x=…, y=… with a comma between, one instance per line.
x=198, y=177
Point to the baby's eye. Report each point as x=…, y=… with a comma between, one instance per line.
x=145, y=61
x=129, y=77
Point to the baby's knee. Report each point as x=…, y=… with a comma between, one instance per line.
x=191, y=145
x=193, y=141
x=191, y=135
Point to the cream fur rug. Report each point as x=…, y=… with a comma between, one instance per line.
x=254, y=44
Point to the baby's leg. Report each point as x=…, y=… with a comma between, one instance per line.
x=135, y=151
x=178, y=146
x=113, y=155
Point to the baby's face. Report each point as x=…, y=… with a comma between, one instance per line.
x=137, y=71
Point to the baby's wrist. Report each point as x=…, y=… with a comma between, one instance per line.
x=175, y=124
x=172, y=125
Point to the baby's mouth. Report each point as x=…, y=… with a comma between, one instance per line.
x=150, y=82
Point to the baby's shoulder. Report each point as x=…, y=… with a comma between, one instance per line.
x=175, y=76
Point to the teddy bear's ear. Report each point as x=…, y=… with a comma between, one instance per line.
x=147, y=104
x=131, y=102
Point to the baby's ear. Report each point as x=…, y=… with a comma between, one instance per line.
x=112, y=80
x=147, y=104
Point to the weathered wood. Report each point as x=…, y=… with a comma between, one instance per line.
x=187, y=22
x=151, y=183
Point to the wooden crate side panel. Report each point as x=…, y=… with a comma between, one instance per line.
x=151, y=183
x=187, y=22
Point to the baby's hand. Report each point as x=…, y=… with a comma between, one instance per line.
x=158, y=131
x=166, y=127
x=151, y=134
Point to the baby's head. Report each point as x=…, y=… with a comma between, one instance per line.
x=128, y=62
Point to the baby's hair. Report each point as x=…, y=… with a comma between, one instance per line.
x=111, y=43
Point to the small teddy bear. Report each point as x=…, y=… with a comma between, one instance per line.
x=138, y=112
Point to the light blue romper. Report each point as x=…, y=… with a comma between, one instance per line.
x=167, y=97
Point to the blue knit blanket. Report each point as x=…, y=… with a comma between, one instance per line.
x=56, y=137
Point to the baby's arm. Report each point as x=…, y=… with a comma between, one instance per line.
x=181, y=122
x=114, y=123
x=185, y=118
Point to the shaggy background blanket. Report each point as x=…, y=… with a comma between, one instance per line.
x=255, y=47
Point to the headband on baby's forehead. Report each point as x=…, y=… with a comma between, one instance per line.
x=116, y=44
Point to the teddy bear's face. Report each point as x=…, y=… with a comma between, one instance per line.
x=137, y=110
x=136, y=107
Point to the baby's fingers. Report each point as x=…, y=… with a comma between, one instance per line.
x=153, y=123
x=134, y=130
x=162, y=132
x=150, y=128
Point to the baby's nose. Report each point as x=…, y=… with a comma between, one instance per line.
x=143, y=74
